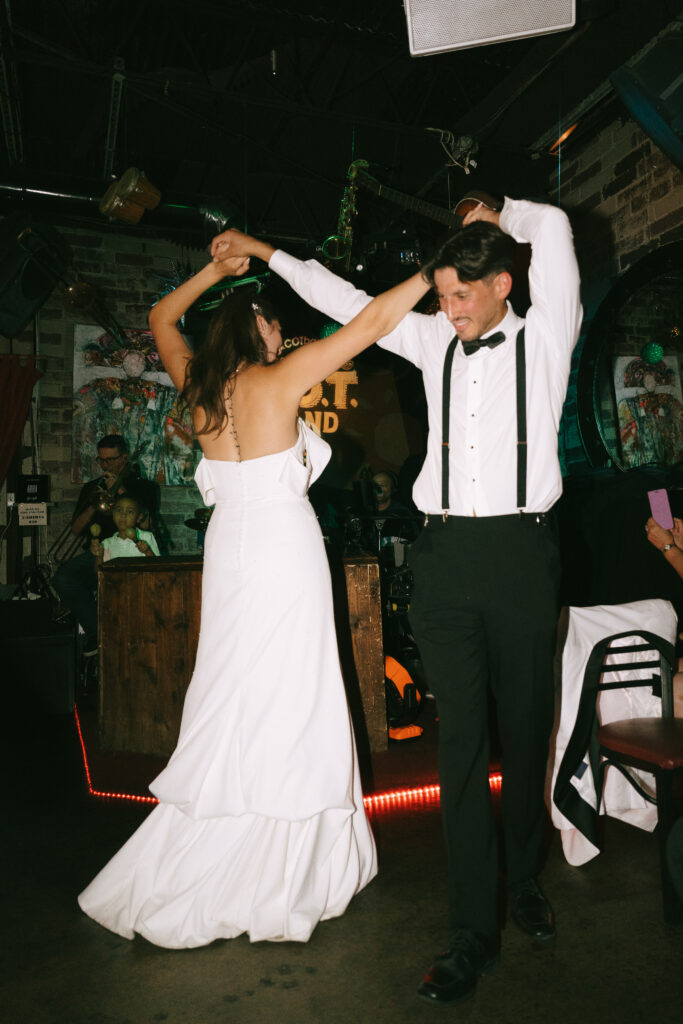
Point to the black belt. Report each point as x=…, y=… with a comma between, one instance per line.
x=539, y=518
x=520, y=362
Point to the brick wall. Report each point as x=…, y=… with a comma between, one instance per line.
x=625, y=199
x=122, y=268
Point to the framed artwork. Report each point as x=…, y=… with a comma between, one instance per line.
x=125, y=390
x=649, y=409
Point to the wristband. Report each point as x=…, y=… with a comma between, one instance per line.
x=667, y=547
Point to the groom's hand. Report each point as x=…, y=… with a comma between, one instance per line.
x=481, y=212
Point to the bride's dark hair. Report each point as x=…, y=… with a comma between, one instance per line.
x=232, y=338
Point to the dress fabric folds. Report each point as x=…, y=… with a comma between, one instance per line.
x=261, y=826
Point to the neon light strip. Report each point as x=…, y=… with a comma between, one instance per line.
x=98, y=792
x=391, y=800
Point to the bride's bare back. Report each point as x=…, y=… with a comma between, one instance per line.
x=260, y=420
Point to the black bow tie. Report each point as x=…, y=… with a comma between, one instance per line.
x=469, y=347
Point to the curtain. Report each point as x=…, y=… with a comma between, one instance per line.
x=18, y=374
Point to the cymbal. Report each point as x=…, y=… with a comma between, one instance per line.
x=197, y=524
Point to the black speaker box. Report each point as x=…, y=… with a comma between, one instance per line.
x=436, y=26
x=33, y=258
x=38, y=657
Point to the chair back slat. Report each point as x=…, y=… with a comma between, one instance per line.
x=653, y=682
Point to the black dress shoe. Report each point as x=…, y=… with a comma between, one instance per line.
x=531, y=911
x=454, y=974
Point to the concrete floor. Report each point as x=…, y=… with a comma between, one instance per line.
x=613, y=960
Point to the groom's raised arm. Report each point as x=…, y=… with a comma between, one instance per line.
x=321, y=289
x=341, y=301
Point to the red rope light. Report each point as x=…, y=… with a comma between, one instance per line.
x=394, y=799
x=101, y=793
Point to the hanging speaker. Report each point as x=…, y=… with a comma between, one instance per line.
x=435, y=26
x=32, y=260
x=651, y=86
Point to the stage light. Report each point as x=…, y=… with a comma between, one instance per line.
x=128, y=198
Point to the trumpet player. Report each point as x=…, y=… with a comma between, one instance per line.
x=75, y=582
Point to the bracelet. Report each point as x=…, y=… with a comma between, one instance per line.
x=667, y=547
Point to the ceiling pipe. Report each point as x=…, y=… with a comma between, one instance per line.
x=181, y=216
x=92, y=202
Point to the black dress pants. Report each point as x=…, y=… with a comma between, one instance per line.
x=484, y=608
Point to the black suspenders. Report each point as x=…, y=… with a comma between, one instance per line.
x=520, y=363
x=446, y=422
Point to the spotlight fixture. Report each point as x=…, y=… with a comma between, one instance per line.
x=128, y=198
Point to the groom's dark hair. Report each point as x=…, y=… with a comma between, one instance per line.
x=475, y=252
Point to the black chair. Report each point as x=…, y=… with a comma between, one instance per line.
x=651, y=744
x=655, y=744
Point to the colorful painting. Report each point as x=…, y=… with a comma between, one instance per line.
x=650, y=409
x=125, y=390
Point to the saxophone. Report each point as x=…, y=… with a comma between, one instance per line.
x=338, y=246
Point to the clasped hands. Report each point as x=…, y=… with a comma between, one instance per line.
x=230, y=252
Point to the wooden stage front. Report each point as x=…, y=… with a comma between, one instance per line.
x=149, y=612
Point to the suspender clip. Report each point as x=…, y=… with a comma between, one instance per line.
x=444, y=516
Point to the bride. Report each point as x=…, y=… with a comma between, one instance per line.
x=260, y=826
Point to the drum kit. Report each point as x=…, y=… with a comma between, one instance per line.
x=199, y=520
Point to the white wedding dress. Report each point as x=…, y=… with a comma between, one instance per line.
x=261, y=826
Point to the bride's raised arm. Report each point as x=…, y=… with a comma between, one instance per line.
x=164, y=317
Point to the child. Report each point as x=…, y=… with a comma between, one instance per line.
x=129, y=541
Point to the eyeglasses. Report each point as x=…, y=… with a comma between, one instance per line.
x=108, y=462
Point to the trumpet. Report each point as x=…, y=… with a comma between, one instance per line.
x=106, y=496
x=338, y=247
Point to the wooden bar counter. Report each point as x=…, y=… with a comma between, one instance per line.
x=149, y=613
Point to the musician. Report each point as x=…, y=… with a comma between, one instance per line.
x=75, y=582
x=385, y=486
x=394, y=519
x=486, y=564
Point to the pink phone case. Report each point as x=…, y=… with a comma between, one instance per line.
x=661, y=509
